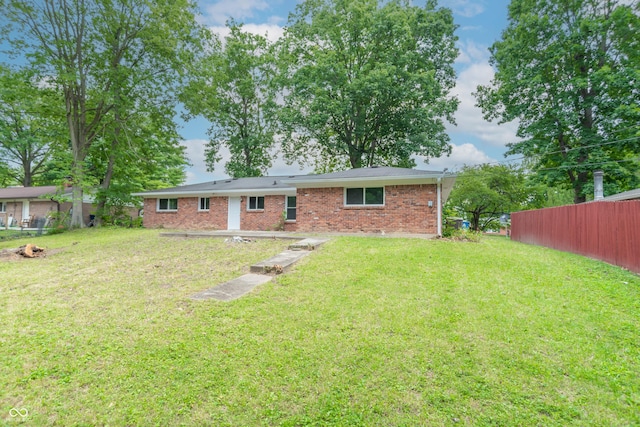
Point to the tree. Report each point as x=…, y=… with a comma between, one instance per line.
x=30, y=131
x=367, y=82
x=146, y=156
x=482, y=194
x=100, y=53
x=234, y=91
x=569, y=71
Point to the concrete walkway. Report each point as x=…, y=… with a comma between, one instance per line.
x=259, y=275
x=288, y=234
x=233, y=289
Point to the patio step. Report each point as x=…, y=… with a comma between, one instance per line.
x=308, y=244
x=279, y=263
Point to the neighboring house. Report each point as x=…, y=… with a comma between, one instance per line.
x=376, y=199
x=627, y=195
x=22, y=206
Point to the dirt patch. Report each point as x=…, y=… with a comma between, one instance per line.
x=9, y=255
x=29, y=251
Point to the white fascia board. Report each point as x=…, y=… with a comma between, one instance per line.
x=258, y=192
x=247, y=192
x=364, y=181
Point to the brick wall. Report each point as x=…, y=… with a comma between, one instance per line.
x=265, y=219
x=319, y=209
x=42, y=209
x=406, y=210
x=12, y=210
x=187, y=216
x=37, y=209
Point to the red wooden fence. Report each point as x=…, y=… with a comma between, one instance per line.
x=609, y=231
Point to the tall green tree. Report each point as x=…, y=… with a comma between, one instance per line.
x=484, y=193
x=31, y=130
x=367, y=82
x=234, y=91
x=100, y=53
x=145, y=156
x=569, y=72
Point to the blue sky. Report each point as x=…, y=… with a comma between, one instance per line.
x=474, y=141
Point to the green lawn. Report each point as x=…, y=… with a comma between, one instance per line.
x=366, y=331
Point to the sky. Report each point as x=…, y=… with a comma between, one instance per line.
x=474, y=140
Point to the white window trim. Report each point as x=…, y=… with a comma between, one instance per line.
x=165, y=210
x=3, y=207
x=200, y=204
x=364, y=199
x=256, y=209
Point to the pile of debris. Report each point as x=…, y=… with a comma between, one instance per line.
x=30, y=251
x=238, y=239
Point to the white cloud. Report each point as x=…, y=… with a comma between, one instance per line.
x=271, y=31
x=469, y=117
x=466, y=8
x=472, y=52
x=461, y=155
x=195, y=153
x=222, y=10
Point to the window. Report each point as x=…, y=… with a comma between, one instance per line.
x=204, y=204
x=291, y=208
x=256, y=203
x=167, y=204
x=364, y=196
x=3, y=207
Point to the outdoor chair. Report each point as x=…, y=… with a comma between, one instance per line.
x=26, y=222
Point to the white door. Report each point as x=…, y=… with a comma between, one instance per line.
x=233, y=220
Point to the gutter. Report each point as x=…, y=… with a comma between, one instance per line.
x=281, y=191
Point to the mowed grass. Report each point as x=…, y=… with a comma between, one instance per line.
x=365, y=331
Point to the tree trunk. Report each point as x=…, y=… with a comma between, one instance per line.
x=77, y=218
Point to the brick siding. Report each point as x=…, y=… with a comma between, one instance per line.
x=188, y=216
x=37, y=209
x=406, y=210
x=318, y=209
x=269, y=218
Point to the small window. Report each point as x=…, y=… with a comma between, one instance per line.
x=3, y=207
x=291, y=208
x=167, y=204
x=256, y=203
x=372, y=196
x=204, y=204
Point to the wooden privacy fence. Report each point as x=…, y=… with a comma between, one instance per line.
x=609, y=231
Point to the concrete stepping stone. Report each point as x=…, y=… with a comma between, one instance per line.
x=278, y=264
x=284, y=259
x=233, y=289
x=308, y=244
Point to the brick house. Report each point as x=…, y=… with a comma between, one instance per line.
x=23, y=206
x=376, y=199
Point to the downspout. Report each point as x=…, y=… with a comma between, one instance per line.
x=439, y=191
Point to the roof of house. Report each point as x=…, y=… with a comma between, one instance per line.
x=14, y=193
x=287, y=184
x=373, y=175
x=372, y=172
x=228, y=186
x=627, y=195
